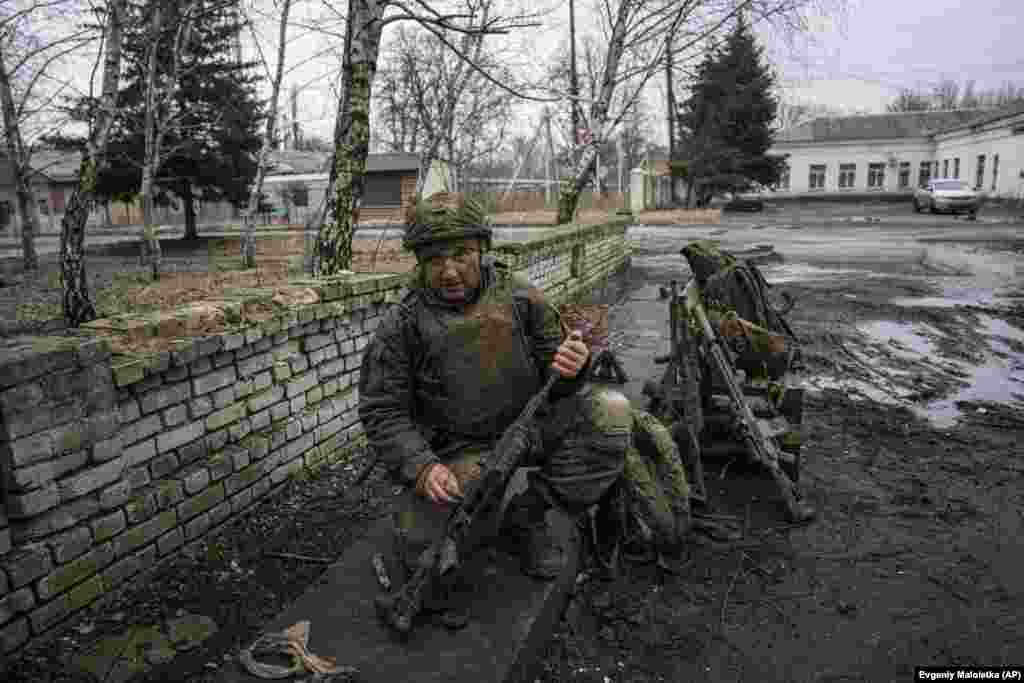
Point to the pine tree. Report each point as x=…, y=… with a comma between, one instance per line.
x=210, y=149
x=727, y=120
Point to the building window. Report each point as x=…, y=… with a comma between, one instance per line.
x=956, y=167
x=904, y=175
x=945, y=168
x=979, y=174
x=876, y=176
x=935, y=169
x=924, y=173
x=816, y=180
x=784, y=177
x=44, y=207
x=847, y=174
x=995, y=171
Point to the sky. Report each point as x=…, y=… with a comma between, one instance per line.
x=880, y=46
x=853, y=61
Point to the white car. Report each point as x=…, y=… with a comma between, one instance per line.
x=947, y=194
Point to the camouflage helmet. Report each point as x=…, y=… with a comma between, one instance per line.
x=706, y=258
x=444, y=217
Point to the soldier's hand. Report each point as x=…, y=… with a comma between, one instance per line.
x=442, y=486
x=571, y=356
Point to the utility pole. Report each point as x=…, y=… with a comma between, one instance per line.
x=671, y=115
x=574, y=88
x=618, y=148
x=295, y=117
x=550, y=158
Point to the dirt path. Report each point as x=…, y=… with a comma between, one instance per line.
x=915, y=557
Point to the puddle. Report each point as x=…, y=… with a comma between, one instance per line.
x=901, y=335
x=1001, y=328
x=800, y=272
x=999, y=378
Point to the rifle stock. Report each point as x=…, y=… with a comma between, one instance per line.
x=399, y=609
x=760, y=447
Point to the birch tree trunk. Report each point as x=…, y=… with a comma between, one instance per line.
x=78, y=308
x=15, y=148
x=160, y=116
x=150, y=246
x=352, y=144
x=249, y=240
x=188, y=205
x=583, y=171
x=471, y=43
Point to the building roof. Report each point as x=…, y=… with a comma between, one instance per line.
x=286, y=162
x=393, y=161
x=915, y=124
x=61, y=167
x=989, y=116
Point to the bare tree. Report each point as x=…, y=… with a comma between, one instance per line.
x=160, y=115
x=78, y=307
x=249, y=242
x=909, y=100
x=430, y=100
x=637, y=34
x=367, y=19
x=27, y=58
x=792, y=114
x=946, y=95
x=18, y=160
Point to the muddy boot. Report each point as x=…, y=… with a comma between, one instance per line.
x=449, y=601
x=526, y=527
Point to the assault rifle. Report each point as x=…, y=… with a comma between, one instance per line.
x=761, y=448
x=398, y=609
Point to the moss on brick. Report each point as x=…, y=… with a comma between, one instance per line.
x=171, y=489
x=69, y=575
x=248, y=476
x=86, y=593
x=314, y=395
x=143, y=533
x=201, y=503
x=107, y=528
x=282, y=371
x=222, y=418
x=344, y=393
x=71, y=440
x=138, y=507
x=316, y=457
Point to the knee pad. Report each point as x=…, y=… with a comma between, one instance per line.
x=611, y=412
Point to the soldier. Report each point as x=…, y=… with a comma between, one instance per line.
x=453, y=364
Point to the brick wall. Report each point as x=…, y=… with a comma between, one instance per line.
x=112, y=462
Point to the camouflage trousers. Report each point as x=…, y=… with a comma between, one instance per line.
x=584, y=442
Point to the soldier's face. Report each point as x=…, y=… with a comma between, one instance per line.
x=455, y=272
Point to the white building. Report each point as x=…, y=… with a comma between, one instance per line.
x=894, y=153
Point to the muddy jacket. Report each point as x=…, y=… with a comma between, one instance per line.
x=438, y=377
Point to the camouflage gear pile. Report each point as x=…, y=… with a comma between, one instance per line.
x=444, y=217
x=731, y=283
x=657, y=493
x=734, y=288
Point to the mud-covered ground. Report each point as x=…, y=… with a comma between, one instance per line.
x=912, y=455
x=915, y=557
